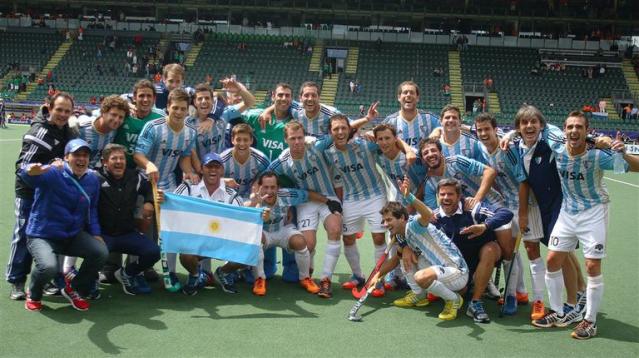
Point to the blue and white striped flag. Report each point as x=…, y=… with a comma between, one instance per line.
x=201, y=227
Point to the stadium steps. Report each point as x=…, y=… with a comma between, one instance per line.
x=631, y=78
x=329, y=89
x=7, y=78
x=53, y=62
x=192, y=55
x=493, y=103
x=260, y=96
x=351, y=61
x=316, y=57
x=455, y=75
x=612, y=111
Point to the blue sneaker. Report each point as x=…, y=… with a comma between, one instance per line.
x=143, y=286
x=129, y=284
x=582, y=299
x=477, y=312
x=224, y=281
x=510, y=308
x=194, y=283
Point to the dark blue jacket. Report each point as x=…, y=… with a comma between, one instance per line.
x=60, y=210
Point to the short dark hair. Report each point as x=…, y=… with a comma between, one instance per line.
x=202, y=87
x=384, y=127
x=337, y=117
x=179, y=94
x=486, y=117
x=450, y=108
x=110, y=148
x=426, y=141
x=143, y=84
x=309, y=84
x=396, y=209
x=267, y=174
x=408, y=83
x=61, y=94
x=449, y=182
x=579, y=114
x=292, y=126
x=283, y=85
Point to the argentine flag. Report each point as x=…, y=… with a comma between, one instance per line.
x=200, y=227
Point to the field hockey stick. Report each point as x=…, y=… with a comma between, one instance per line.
x=510, y=270
x=359, y=293
x=166, y=278
x=352, y=314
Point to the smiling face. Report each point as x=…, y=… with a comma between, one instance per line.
x=529, y=128
x=575, y=130
x=431, y=156
x=144, y=101
x=408, y=98
x=340, y=131
x=282, y=99
x=310, y=99
x=394, y=225
x=486, y=133
x=450, y=122
x=242, y=141
x=448, y=198
x=177, y=110
x=78, y=161
x=296, y=141
x=203, y=103
x=113, y=118
x=386, y=141
x=212, y=173
x=61, y=110
x=115, y=163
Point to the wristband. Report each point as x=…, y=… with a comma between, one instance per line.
x=410, y=198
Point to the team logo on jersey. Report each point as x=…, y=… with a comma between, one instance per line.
x=537, y=160
x=501, y=166
x=466, y=152
x=599, y=247
x=587, y=164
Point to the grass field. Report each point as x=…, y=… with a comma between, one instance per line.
x=290, y=322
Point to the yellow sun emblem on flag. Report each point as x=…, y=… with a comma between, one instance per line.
x=214, y=226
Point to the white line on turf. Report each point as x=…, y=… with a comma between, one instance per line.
x=623, y=182
x=10, y=140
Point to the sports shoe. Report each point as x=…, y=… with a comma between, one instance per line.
x=411, y=300
x=194, y=283
x=74, y=298
x=55, y=286
x=325, y=288
x=585, y=330
x=359, y=235
x=32, y=305
x=510, y=309
x=150, y=275
x=94, y=291
x=259, y=287
x=129, y=285
x=107, y=276
x=450, y=309
x=210, y=282
x=17, y=291
x=142, y=286
x=309, y=285
x=582, y=299
x=379, y=290
x=522, y=298
x=492, y=292
x=353, y=282
x=549, y=320
x=538, y=310
x=477, y=312
x=571, y=315
x=431, y=298
x=175, y=281
x=224, y=281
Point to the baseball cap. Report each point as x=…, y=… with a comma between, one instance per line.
x=74, y=145
x=211, y=157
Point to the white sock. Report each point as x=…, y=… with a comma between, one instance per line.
x=410, y=280
x=379, y=251
x=330, y=258
x=312, y=263
x=258, y=271
x=439, y=289
x=555, y=285
x=521, y=286
x=171, y=261
x=205, y=265
x=69, y=262
x=514, y=274
x=594, y=289
x=538, y=274
x=352, y=256
x=303, y=261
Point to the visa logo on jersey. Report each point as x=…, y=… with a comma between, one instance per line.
x=171, y=152
x=352, y=168
x=305, y=174
x=272, y=144
x=571, y=175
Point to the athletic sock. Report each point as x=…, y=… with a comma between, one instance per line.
x=171, y=261
x=379, y=251
x=555, y=285
x=521, y=286
x=303, y=261
x=594, y=292
x=205, y=265
x=511, y=267
x=258, y=271
x=352, y=256
x=439, y=289
x=410, y=280
x=69, y=262
x=312, y=258
x=331, y=255
x=538, y=273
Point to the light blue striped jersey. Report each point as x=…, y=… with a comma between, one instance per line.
x=355, y=169
x=509, y=174
x=414, y=131
x=96, y=140
x=581, y=177
x=279, y=212
x=466, y=145
x=316, y=127
x=164, y=147
x=311, y=172
x=468, y=172
x=433, y=245
x=213, y=139
x=397, y=168
x=245, y=173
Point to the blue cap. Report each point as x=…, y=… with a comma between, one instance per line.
x=211, y=157
x=74, y=145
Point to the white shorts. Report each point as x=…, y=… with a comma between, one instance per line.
x=280, y=237
x=453, y=278
x=590, y=227
x=535, y=230
x=356, y=211
x=310, y=214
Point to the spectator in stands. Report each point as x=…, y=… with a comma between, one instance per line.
x=446, y=89
x=488, y=82
x=602, y=106
x=476, y=106
x=351, y=85
x=627, y=109
x=602, y=70
x=98, y=69
x=634, y=113
x=362, y=110
x=80, y=33
x=438, y=72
